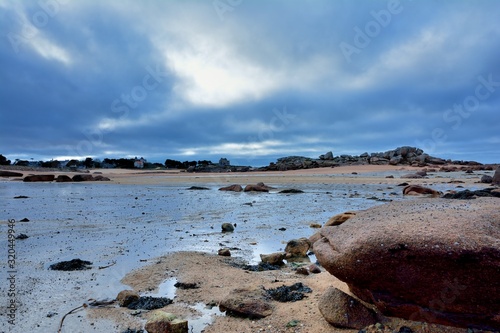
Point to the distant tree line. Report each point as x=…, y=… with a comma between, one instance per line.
x=173, y=164
x=4, y=160
x=123, y=163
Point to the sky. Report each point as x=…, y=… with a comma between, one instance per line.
x=251, y=81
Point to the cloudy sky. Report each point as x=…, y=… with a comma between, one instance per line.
x=248, y=80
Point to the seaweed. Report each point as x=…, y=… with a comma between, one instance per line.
x=291, y=293
x=71, y=265
x=149, y=303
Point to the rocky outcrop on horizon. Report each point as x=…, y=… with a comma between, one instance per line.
x=405, y=155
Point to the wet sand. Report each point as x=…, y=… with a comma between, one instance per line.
x=107, y=235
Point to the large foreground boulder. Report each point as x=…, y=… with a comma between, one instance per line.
x=432, y=260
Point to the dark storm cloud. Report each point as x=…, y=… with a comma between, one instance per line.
x=251, y=81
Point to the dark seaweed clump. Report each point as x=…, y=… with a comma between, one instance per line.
x=291, y=191
x=150, y=303
x=71, y=265
x=186, y=285
x=260, y=267
x=198, y=188
x=129, y=330
x=291, y=293
x=467, y=194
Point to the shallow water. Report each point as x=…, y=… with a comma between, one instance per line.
x=126, y=225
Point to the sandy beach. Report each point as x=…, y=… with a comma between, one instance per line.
x=137, y=241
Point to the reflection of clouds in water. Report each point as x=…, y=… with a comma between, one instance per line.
x=165, y=289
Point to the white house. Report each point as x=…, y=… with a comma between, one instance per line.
x=139, y=163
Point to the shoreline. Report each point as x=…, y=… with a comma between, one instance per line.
x=355, y=174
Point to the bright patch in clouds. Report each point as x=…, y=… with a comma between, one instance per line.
x=217, y=78
x=50, y=51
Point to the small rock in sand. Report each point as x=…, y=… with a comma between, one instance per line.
x=247, y=303
x=227, y=227
x=224, y=252
x=298, y=247
x=343, y=310
x=313, y=268
x=233, y=188
x=418, y=190
x=163, y=322
x=125, y=297
x=273, y=258
x=485, y=179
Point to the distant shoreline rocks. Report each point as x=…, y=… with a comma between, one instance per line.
x=409, y=156
x=64, y=178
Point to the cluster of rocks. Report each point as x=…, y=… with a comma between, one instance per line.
x=255, y=303
x=64, y=178
x=217, y=168
x=400, y=156
x=259, y=187
x=5, y=173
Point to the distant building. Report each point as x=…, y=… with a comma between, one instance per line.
x=34, y=164
x=139, y=163
x=224, y=162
